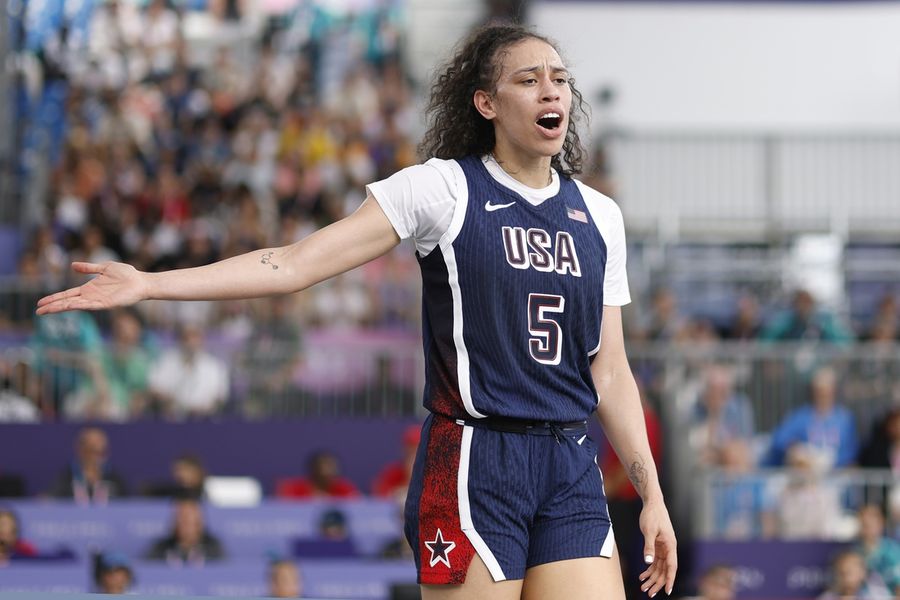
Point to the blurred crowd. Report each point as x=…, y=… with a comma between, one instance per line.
x=181, y=148
x=92, y=478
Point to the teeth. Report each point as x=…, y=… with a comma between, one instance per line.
x=551, y=115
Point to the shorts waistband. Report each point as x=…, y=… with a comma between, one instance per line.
x=511, y=425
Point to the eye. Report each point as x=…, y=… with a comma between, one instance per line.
x=561, y=80
x=530, y=81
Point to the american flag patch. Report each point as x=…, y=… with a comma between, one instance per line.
x=576, y=215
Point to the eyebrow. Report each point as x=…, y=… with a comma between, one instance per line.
x=553, y=68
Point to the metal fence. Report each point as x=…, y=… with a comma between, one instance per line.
x=788, y=504
x=372, y=372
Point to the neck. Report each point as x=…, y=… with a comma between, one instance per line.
x=533, y=171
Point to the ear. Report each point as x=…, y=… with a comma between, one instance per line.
x=484, y=104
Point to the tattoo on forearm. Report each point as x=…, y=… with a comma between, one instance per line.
x=637, y=473
x=267, y=260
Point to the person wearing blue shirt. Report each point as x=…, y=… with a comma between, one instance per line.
x=821, y=425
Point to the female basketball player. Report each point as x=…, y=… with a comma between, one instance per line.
x=524, y=275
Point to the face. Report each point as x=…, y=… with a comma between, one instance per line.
x=850, y=573
x=8, y=532
x=187, y=474
x=718, y=388
x=93, y=446
x=126, y=329
x=718, y=585
x=871, y=523
x=530, y=105
x=116, y=581
x=823, y=389
x=325, y=467
x=188, y=521
x=285, y=581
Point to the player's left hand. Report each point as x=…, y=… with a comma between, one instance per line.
x=659, y=549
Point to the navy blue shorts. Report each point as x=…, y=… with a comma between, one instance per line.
x=517, y=499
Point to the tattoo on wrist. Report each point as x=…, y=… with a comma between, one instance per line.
x=637, y=473
x=267, y=260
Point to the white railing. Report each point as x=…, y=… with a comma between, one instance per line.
x=754, y=185
x=786, y=504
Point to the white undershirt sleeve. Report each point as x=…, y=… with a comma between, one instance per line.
x=419, y=202
x=608, y=217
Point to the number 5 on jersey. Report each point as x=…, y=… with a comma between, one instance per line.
x=545, y=344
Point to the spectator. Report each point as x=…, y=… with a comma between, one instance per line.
x=882, y=449
x=112, y=573
x=62, y=344
x=284, y=579
x=746, y=322
x=90, y=479
x=743, y=507
x=15, y=405
x=808, y=506
x=717, y=583
x=273, y=354
x=12, y=546
x=720, y=415
x=886, y=320
x=873, y=376
x=665, y=321
x=850, y=580
x=323, y=479
x=333, y=539
x=393, y=480
x=188, y=381
x=882, y=554
x=825, y=428
x=188, y=479
x=804, y=321
x=333, y=525
x=343, y=302
x=119, y=384
x=188, y=542
x=52, y=260
x=893, y=512
x=93, y=247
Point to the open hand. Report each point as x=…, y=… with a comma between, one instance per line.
x=115, y=284
x=659, y=549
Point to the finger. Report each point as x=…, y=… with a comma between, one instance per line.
x=648, y=584
x=86, y=267
x=650, y=544
x=69, y=293
x=655, y=582
x=77, y=303
x=671, y=569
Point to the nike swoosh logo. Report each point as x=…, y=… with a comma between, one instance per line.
x=492, y=207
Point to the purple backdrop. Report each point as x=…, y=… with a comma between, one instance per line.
x=142, y=452
x=771, y=569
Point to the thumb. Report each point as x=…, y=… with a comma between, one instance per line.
x=649, y=548
x=86, y=267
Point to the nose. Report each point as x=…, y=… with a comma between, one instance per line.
x=549, y=90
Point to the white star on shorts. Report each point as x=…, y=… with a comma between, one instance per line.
x=440, y=549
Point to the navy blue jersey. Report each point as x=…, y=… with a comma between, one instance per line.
x=512, y=304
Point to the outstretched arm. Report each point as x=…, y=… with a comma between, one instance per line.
x=622, y=416
x=357, y=239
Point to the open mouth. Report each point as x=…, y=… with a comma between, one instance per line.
x=550, y=121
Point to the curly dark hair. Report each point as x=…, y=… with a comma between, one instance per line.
x=457, y=129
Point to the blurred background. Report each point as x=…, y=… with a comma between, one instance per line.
x=263, y=447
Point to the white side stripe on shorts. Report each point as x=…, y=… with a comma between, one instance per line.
x=606, y=550
x=465, y=512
